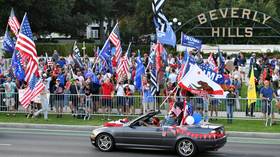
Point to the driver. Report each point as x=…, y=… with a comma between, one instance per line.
x=154, y=123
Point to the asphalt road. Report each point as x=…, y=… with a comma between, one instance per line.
x=60, y=143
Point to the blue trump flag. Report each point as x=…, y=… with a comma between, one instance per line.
x=140, y=70
x=221, y=61
x=8, y=43
x=166, y=36
x=209, y=72
x=105, y=52
x=190, y=41
x=106, y=55
x=18, y=69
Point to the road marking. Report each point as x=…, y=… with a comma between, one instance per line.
x=242, y=140
x=246, y=140
x=5, y=144
x=46, y=130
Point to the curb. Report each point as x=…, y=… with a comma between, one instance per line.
x=89, y=128
x=254, y=134
x=48, y=126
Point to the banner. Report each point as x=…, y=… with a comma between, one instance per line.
x=214, y=76
x=197, y=82
x=209, y=72
x=251, y=92
x=190, y=41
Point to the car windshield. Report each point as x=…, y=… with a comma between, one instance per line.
x=147, y=118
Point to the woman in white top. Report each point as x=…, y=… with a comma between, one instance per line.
x=120, y=97
x=275, y=79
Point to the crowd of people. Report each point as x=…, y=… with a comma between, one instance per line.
x=95, y=86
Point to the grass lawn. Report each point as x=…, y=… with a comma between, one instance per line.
x=249, y=126
x=238, y=125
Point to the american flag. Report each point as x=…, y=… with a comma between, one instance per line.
x=49, y=60
x=159, y=16
x=35, y=86
x=153, y=72
x=188, y=111
x=154, y=86
x=184, y=66
x=123, y=68
x=176, y=109
x=13, y=22
x=27, y=48
x=115, y=39
x=211, y=61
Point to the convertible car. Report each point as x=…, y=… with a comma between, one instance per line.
x=186, y=140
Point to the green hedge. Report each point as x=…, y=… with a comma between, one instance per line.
x=65, y=49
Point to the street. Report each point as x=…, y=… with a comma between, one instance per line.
x=48, y=143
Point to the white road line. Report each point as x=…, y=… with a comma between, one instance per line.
x=5, y=144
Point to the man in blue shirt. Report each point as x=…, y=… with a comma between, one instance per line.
x=266, y=93
x=170, y=120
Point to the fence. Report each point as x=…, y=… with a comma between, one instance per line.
x=220, y=108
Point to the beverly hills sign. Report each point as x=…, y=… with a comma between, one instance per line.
x=232, y=13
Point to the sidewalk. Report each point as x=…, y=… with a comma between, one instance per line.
x=89, y=128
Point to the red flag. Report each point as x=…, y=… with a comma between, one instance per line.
x=159, y=50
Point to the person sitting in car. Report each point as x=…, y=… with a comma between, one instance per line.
x=154, y=123
x=170, y=120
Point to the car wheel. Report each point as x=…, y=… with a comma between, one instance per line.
x=105, y=142
x=186, y=148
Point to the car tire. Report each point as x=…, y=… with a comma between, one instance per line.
x=186, y=148
x=105, y=142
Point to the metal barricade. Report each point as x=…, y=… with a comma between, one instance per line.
x=81, y=105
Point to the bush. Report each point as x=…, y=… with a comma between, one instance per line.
x=64, y=49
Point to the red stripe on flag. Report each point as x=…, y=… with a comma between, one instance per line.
x=14, y=24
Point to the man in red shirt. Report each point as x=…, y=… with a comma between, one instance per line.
x=107, y=94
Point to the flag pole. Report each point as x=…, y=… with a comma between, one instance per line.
x=74, y=81
x=84, y=49
x=169, y=95
x=97, y=57
x=127, y=51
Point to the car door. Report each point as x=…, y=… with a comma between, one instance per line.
x=142, y=135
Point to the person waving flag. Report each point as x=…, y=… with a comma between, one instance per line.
x=27, y=48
